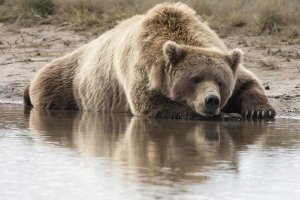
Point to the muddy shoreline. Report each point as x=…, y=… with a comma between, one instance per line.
x=23, y=51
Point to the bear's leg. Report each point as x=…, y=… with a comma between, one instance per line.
x=250, y=100
x=153, y=104
x=52, y=90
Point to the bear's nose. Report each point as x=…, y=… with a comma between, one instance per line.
x=212, y=102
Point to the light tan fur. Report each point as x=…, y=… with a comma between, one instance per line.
x=136, y=67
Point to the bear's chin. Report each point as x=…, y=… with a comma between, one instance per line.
x=208, y=115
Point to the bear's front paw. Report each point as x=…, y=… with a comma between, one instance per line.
x=259, y=112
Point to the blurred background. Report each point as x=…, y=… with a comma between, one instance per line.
x=256, y=16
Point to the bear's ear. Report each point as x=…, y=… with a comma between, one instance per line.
x=235, y=58
x=173, y=53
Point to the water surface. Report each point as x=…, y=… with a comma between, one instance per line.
x=73, y=155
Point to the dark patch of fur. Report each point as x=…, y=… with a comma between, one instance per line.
x=233, y=105
x=26, y=97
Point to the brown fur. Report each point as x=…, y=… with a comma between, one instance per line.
x=26, y=97
x=162, y=64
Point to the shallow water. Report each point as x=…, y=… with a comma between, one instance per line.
x=72, y=155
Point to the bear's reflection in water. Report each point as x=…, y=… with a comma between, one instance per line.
x=174, y=149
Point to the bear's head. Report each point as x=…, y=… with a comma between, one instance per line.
x=202, y=78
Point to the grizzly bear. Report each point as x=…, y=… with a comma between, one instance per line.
x=166, y=63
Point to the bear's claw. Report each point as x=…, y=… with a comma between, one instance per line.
x=258, y=113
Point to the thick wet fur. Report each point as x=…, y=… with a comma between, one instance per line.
x=166, y=63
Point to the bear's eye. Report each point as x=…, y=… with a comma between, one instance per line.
x=196, y=80
x=220, y=84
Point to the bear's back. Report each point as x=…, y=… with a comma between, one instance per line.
x=179, y=23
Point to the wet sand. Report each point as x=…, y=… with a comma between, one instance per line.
x=26, y=50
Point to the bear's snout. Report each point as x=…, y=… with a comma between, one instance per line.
x=212, y=104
